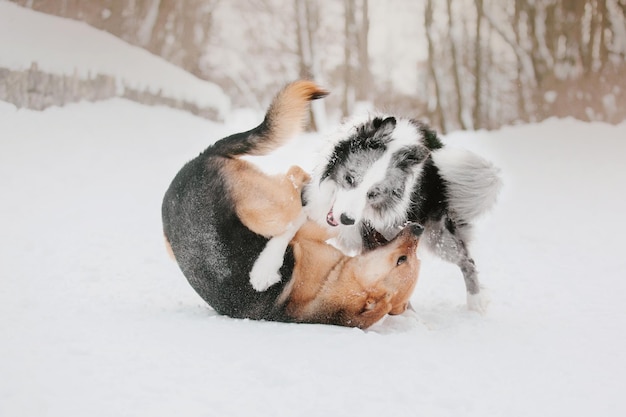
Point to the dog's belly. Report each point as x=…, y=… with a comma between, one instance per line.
x=214, y=250
x=218, y=270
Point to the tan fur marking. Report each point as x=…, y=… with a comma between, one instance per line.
x=316, y=261
x=265, y=204
x=168, y=248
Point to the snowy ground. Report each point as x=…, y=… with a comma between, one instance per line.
x=96, y=320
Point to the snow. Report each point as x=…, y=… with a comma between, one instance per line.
x=96, y=319
x=68, y=47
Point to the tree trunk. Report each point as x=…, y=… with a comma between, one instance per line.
x=455, y=68
x=306, y=26
x=363, y=85
x=477, y=113
x=428, y=23
x=347, y=99
x=522, y=111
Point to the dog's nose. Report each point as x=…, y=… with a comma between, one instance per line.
x=414, y=228
x=346, y=220
x=417, y=229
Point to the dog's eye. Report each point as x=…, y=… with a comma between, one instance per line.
x=401, y=260
x=349, y=179
x=396, y=192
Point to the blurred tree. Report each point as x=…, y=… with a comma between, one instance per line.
x=356, y=62
x=455, y=67
x=478, y=67
x=438, y=116
x=489, y=62
x=307, y=26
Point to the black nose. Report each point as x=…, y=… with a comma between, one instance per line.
x=346, y=220
x=416, y=229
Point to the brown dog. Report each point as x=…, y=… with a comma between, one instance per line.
x=327, y=286
x=230, y=228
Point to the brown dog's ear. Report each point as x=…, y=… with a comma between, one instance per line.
x=375, y=308
x=399, y=309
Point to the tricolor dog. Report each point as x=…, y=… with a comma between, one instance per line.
x=223, y=217
x=382, y=171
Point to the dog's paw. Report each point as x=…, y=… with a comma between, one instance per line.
x=478, y=302
x=262, y=280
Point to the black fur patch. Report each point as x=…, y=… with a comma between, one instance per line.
x=408, y=157
x=430, y=201
x=374, y=135
x=431, y=140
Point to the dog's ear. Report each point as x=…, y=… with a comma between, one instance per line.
x=383, y=127
x=410, y=156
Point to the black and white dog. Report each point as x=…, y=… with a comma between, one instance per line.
x=381, y=171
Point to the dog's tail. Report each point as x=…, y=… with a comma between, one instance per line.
x=472, y=183
x=284, y=119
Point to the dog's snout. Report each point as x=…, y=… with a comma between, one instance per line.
x=415, y=229
x=346, y=220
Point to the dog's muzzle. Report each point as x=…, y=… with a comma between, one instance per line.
x=344, y=219
x=330, y=219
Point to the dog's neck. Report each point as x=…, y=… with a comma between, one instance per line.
x=316, y=263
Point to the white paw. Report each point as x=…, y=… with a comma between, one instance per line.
x=266, y=269
x=478, y=302
x=263, y=279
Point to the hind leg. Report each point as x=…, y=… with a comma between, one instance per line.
x=267, y=205
x=266, y=269
x=449, y=241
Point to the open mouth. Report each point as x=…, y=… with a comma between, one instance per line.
x=330, y=218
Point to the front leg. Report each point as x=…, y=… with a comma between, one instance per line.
x=266, y=204
x=448, y=240
x=266, y=269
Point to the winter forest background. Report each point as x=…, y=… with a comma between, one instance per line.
x=460, y=64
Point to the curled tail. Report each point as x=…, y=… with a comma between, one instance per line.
x=284, y=119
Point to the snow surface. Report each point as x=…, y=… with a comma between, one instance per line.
x=96, y=320
x=66, y=47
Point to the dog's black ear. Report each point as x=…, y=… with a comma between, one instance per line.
x=383, y=127
x=386, y=124
x=431, y=140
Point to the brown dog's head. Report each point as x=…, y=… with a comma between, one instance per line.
x=392, y=268
x=376, y=283
x=329, y=287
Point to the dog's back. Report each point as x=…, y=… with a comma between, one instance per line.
x=212, y=246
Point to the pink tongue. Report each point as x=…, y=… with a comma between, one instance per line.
x=330, y=219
